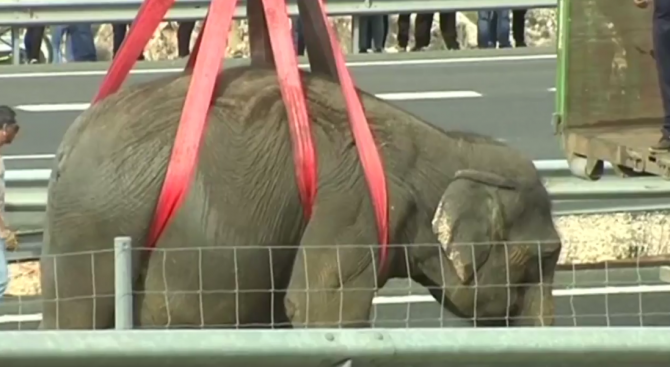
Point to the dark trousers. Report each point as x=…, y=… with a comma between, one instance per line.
x=519, y=27
x=661, y=36
x=33, y=42
x=424, y=23
x=403, y=30
x=184, y=38
x=119, y=34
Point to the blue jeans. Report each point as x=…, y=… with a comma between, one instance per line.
x=371, y=31
x=493, y=29
x=57, y=34
x=4, y=269
x=80, y=45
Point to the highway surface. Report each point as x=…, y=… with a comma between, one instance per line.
x=503, y=93
x=613, y=297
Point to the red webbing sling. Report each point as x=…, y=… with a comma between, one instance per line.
x=365, y=143
x=198, y=100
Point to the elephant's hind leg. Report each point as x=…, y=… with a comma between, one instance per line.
x=333, y=283
x=77, y=291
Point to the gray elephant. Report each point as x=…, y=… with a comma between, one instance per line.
x=239, y=252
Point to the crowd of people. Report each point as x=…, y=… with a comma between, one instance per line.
x=493, y=31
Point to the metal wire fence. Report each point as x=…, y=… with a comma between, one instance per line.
x=421, y=305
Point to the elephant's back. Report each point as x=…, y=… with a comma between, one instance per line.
x=113, y=159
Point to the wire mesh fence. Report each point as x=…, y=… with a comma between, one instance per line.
x=423, y=285
x=431, y=292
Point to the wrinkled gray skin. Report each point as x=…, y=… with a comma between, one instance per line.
x=244, y=208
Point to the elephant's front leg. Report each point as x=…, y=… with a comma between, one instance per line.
x=538, y=303
x=333, y=280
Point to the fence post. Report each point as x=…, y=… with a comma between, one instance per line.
x=123, y=285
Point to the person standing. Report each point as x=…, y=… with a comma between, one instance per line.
x=403, y=32
x=9, y=129
x=371, y=33
x=519, y=27
x=493, y=29
x=424, y=23
x=32, y=42
x=79, y=46
x=184, y=31
x=661, y=39
x=119, y=34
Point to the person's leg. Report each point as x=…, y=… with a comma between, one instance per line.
x=301, y=37
x=364, y=36
x=377, y=32
x=448, y=30
x=519, y=27
x=184, y=38
x=403, y=31
x=33, y=43
x=483, y=29
x=119, y=34
x=385, y=20
x=4, y=269
x=502, y=28
x=69, y=52
x=661, y=38
x=424, y=22
x=57, y=34
x=83, y=46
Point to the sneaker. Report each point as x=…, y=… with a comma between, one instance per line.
x=663, y=144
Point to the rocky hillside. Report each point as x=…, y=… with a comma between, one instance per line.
x=540, y=30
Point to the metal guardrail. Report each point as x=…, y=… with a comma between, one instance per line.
x=42, y=12
x=426, y=347
x=27, y=188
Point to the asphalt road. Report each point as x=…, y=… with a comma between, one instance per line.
x=502, y=93
x=613, y=297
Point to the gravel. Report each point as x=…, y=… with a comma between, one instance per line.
x=586, y=239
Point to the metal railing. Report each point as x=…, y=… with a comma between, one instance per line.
x=573, y=346
x=41, y=12
x=17, y=13
x=556, y=174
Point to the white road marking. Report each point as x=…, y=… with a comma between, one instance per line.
x=385, y=300
x=462, y=60
x=553, y=90
x=403, y=96
x=388, y=300
x=28, y=157
x=413, y=96
x=14, y=175
x=4, y=319
x=53, y=107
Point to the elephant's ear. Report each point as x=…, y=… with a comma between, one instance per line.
x=469, y=218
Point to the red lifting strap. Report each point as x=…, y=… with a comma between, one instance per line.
x=206, y=60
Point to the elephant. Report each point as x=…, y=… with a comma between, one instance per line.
x=240, y=254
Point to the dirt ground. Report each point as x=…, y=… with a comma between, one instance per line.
x=586, y=239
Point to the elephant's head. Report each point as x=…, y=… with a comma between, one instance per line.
x=499, y=249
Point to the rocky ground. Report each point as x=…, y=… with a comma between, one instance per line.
x=540, y=31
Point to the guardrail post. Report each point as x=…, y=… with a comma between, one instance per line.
x=16, y=46
x=123, y=287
